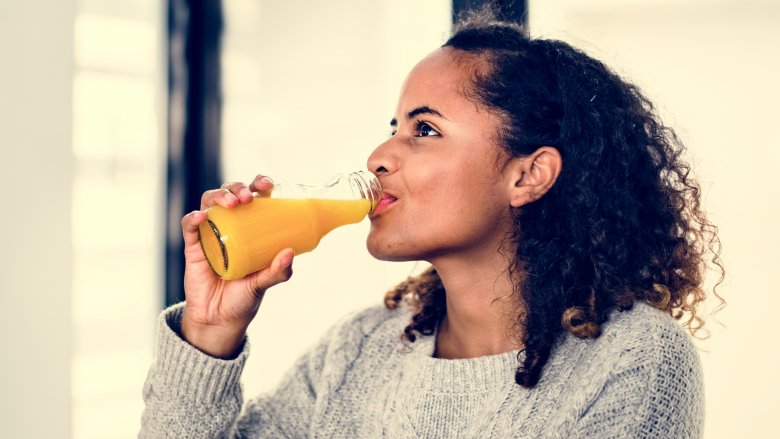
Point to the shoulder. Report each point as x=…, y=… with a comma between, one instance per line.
x=641, y=377
x=358, y=344
x=647, y=335
x=641, y=339
x=647, y=363
x=376, y=326
x=374, y=319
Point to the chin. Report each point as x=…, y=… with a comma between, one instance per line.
x=388, y=252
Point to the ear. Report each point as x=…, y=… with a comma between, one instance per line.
x=530, y=177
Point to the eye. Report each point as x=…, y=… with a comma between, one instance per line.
x=422, y=129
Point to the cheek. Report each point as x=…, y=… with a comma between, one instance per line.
x=455, y=190
x=437, y=184
x=472, y=201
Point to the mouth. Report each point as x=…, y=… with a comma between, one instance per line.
x=384, y=203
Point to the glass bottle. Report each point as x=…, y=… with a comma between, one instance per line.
x=244, y=239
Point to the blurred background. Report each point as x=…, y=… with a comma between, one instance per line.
x=116, y=115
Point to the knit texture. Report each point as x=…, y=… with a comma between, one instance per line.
x=640, y=379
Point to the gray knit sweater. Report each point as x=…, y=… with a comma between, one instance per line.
x=640, y=379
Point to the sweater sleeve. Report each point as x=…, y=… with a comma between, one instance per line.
x=190, y=394
x=654, y=391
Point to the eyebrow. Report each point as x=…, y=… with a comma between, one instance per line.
x=417, y=111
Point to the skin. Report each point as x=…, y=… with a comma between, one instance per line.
x=454, y=189
x=218, y=312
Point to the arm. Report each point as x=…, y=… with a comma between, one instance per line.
x=193, y=388
x=190, y=394
x=653, y=392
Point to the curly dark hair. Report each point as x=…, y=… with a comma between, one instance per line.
x=623, y=222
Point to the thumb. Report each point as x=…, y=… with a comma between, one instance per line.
x=279, y=271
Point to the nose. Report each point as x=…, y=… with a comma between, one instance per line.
x=383, y=160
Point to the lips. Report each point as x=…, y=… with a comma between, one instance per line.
x=384, y=202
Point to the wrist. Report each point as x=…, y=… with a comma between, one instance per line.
x=217, y=341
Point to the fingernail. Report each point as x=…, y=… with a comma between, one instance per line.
x=266, y=180
x=245, y=192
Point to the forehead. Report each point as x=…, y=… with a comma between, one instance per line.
x=440, y=79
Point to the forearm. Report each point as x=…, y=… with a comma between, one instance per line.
x=188, y=393
x=191, y=394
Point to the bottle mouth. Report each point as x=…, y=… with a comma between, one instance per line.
x=368, y=187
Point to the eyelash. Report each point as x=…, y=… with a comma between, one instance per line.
x=418, y=126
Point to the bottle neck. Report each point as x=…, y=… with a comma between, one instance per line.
x=365, y=186
x=360, y=185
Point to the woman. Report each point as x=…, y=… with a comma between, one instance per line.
x=565, y=238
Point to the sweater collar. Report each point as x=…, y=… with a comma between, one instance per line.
x=466, y=375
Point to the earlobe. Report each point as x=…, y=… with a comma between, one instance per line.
x=532, y=176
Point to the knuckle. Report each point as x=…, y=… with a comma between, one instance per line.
x=234, y=186
x=207, y=195
x=261, y=179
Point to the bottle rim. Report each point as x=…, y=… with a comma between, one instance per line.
x=368, y=187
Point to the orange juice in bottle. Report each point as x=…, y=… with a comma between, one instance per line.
x=245, y=239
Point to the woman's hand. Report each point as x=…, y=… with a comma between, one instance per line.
x=217, y=312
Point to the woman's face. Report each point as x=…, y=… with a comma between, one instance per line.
x=445, y=195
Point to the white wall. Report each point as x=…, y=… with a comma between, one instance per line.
x=712, y=68
x=118, y=209
x=36, y=169
x=80, y=161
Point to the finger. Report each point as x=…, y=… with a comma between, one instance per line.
x=262, y=185
x=189, y=227
x=279, y=271
x=221, y=197
x=240, y=190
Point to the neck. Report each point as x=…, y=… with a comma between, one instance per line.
x=482, y=307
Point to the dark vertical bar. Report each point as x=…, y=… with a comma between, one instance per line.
x=513, y=10
x=194, y=31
